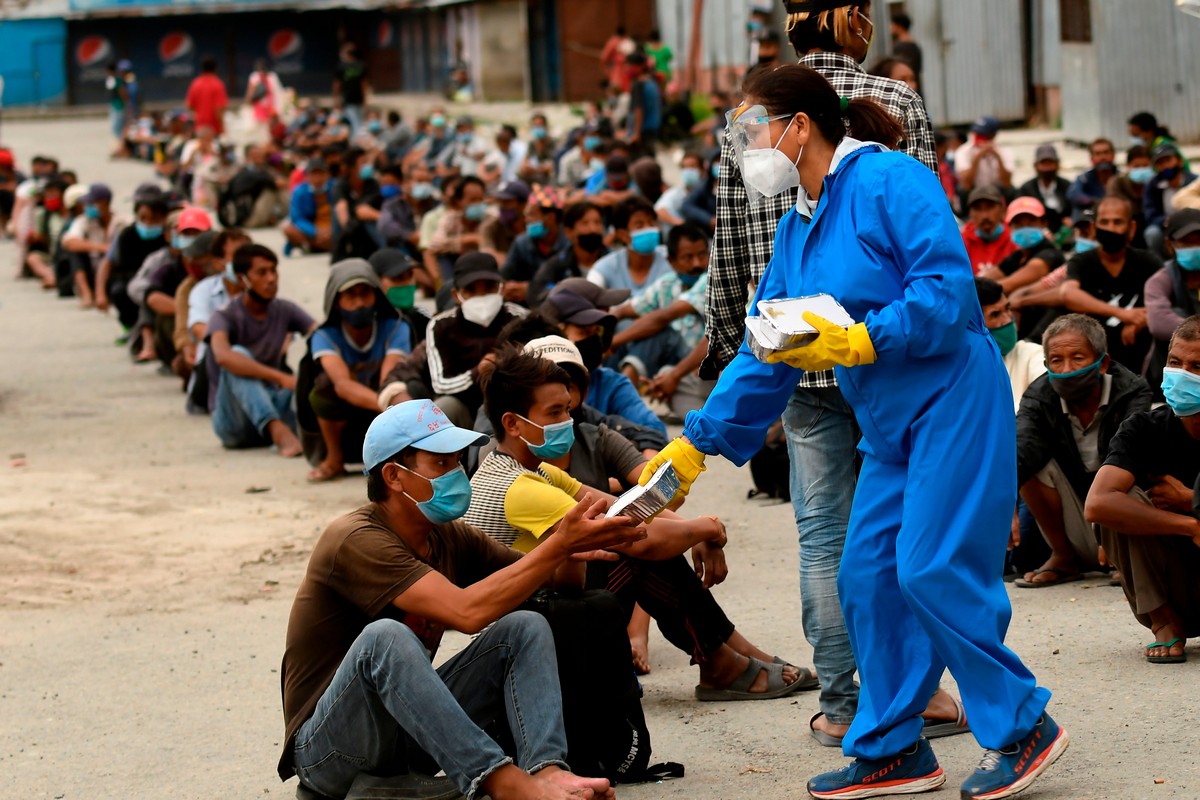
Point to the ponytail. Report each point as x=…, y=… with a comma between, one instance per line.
x=870, y=122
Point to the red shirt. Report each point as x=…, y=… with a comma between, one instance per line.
x=986, y=255
x=207, y=100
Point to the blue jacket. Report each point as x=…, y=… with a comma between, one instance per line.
x=883, y=242
x=613, y=393
x=1152, y=198
x=303, y=211
x=1087, y=190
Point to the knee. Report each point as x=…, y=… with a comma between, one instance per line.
x=527, y=629
x=388, y=638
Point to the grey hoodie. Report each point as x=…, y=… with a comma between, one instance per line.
x=343, y=272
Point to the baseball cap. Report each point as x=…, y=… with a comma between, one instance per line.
x=616, y=165
x=558, y=349
x=391, y=263
x=1183, y=222
x=316, y=165
x=415, y=423
x=981, y=193
x=986, y=126
x=1085, y=216
x=193, y=218
x=512, y=190
x=1045, y=152
x=594, y=293
x=1164, y=150
x=472, y=267
x=6, y=159
x=124, y=65
x=74, y=194
x=201, y=246
x=98, y=193
x=1025, y=205
x=568, y=307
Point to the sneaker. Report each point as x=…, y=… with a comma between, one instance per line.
x=913, y=771
x=1004, y=772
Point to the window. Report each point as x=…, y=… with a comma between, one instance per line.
x=1076, y=20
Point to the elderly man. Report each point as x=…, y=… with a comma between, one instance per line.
x=1144, y=502
x=1066, y=422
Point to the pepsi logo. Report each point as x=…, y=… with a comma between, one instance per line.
x=387, y=34
x=283, y=44
x=92, y=51
x=175, y=46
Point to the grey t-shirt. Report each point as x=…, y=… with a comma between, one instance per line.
x=264, y=338
x=600, y=453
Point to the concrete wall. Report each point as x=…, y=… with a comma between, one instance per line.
x=503, y=50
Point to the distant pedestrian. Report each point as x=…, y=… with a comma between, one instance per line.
x=207, y=99
x=350, y=85
x=264, y=96
x=904, y=47
x=118, y=107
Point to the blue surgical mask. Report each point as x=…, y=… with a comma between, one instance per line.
x=366, y=172
x=592, y=143
x=91, y=211
x=536, y=230
x=182, y=242
x=538, y=132
x=230, y=274
x=476, y=212
x=466, y=137
x=716, y=170
x=451, y=496
x=1077, y=385
x=689, y=281
x=1085, y=245
x=422, y=191
x=1138, y=141
x=644, y=241
x=147, y=232
x=1026, y=238
x=375, y=126
x=997, y=232
x=690, y=176
x=1142, y=175
x=389, y=191
x=437, y=121
x=1188, y=258
x=1182, y=391
x=557, y=439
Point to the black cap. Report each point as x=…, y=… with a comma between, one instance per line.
x=472, y=267
x=616, y=165
x=315, y=164
x=980, y=193
x=1085, y=216
x=391, y=263
x=594, y=293
x=201, y=246
x=98, y=193
x=568, y=307
x=1183, y=222
x=1164, y=150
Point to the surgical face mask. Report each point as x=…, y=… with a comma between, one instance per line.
x=230, y=274
x=1182, y=391
x=361, y=317
x=716, y=170
x=422, y=191
x=1076, y=386
x=996, y=233
x=866, y=39
x=592, y=143
x=402, y=297
x=644, y=241
x=1026, y=238
x=483, y=309
x=366, y=172
x=437, y=121
x=1138, y=141
x=557, y=439
x=590, y=242
x=375, y=126
x=690, y=176
x=1005, y=336
x=180, y=242
x=91, y=211
x=769, y=172
x=1169, y=174
x=466, y=137
x=389, y=191
x=476, y=212
x=451, y=496
x=689, y=279
x=1112, y=242
x=1141, y=175
x=148, y=231
x=253, y=295
x=1188, y=258
x=1085, y=245
x=317, y=188
x=538, y=132
x=536, y=230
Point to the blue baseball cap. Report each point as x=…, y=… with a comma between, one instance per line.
x=415, y=423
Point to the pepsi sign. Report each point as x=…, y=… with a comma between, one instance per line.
x=176, y=52
x=285, y=48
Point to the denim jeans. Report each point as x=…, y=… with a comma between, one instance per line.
x=245, y=406
x=822, y=439
x=354, y=118
x=387, y=707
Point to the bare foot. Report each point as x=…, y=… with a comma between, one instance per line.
x=640, y=645
x=597, y=787
x=326, y=471
x=834, y=729
x=511, y=783
x=284, y=440
x=87, y=302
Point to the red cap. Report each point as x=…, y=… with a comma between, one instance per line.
x=1025, y=205
x=6, y=159
x=193, y=218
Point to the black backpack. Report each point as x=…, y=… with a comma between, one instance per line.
x=771, y=467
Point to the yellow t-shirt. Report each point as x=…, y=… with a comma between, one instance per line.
x=516, y=506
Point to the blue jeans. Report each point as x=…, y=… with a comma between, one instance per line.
x=388, y=707
x=245, y=406
x=354, y=118
x=822, y=440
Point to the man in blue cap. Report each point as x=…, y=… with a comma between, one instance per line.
x=361, y=697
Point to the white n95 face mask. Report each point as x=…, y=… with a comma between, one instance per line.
x=766, y=172
x=482, y=310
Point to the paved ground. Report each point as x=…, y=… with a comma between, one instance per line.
x=144, y=592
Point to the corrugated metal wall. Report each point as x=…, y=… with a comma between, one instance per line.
x=724, y=31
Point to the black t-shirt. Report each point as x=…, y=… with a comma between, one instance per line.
x=910, y=52
x=368, y=194
x=1126, y=289
x=131, y=251
x=1043, y=250
x=1151, y=444
x=351, y=76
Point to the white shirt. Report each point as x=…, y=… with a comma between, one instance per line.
x=1025, y=364
x=987, y=173
x=207, y=296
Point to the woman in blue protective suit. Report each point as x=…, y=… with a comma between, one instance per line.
x=920, y=578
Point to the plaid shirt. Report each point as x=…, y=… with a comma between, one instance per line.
x=745, y=236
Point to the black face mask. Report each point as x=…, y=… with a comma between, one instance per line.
x=360, y=317
x=590, y=242
x=767, y=59
x=591, y=350
x=256, y=297
x=1111, y=242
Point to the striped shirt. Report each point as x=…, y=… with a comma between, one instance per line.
x=517, y=506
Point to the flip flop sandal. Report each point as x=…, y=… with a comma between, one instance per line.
x=739, y=689
x=823, y=738
x=1063, y=577
x=1167, y=659
x=938, y=730
x=807, y=678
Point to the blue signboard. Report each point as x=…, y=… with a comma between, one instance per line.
x=187, y=5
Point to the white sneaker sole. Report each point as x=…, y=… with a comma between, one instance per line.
x=926, y=784
x=1056, y=749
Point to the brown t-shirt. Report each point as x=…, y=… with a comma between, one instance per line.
x=358, y=567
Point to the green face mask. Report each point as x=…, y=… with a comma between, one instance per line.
x=402, y=296
x=1005, y=336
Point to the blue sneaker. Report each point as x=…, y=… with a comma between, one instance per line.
x=914, y=771
x=1004, y=772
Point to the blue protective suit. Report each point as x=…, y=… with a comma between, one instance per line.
x=920, y=578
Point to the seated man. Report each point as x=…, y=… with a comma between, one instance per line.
x=985, y=236
x=1143, y=499
x=1158, y=198
x=1173, y=293
x=250, y=394
x=201, y=300
x=519, y=496
x=310, y=222
x=161, y=275
x=359, y=688
x=359, y=342
x=88, y=239
x=1036, y=255
x=1066, y=422
x=642, y=260
x=398, y=278
x=665, y=344
x=543, y=238
x=584, y=226
x=129, y=250
x=1024, y=360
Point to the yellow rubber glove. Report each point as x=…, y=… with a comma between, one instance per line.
x=834, y=346
x=687, y=461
